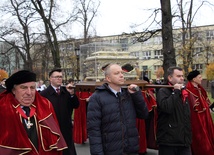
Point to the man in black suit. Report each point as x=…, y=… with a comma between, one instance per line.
x=63, y=104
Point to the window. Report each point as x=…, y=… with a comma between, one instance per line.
x=136, y=54
x=146, y=55
x=144, y=68
x=180, y=36
x=198, y=66
x=197, y=51
x=210, y=35
x=158, y=54
x=199, y=36
x=209, y=54
x=134, y=40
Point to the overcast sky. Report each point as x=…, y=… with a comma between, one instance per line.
x=116, y=16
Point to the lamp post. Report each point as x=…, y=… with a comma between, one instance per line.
x=77, y=53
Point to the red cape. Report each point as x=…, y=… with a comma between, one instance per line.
x=148, y=139
x=151, y=121
x=142, y=135
x=13, y=136
x=79, y=129
x=201, y=121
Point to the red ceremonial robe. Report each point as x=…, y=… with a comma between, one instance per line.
x=151, y=121
x=147, y=133
x=13, y=136
x=142, y=135
x=79, y=129
x=201, y=121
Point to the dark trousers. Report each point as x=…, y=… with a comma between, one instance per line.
x=174, y=150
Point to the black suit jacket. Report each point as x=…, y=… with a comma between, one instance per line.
x=63, y=105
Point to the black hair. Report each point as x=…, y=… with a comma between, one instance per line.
x=170, y=70
x=54, y=70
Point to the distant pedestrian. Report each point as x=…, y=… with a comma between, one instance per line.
x=40, y=86
x=2, y=85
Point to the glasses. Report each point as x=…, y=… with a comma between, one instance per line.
x=57, y=77
x=71, y=87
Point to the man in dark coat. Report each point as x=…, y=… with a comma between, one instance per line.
x=112, y=113
x=63, y=104
x=174, y=125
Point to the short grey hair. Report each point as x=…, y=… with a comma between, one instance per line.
x=107, y=69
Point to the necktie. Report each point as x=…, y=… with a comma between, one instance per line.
x=27, y=111
x=119, y=96
x=58, y=91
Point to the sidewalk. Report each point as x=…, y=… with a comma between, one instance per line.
x=83, y=149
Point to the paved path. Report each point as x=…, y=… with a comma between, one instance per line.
x=83, y=149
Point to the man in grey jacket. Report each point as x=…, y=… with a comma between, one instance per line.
x=112, y=113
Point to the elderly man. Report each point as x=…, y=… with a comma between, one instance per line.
x=201, y=120
x=28, y=122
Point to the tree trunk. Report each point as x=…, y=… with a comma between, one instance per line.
x=167, y=37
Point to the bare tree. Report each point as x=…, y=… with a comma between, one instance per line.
x=31, y=14
x=187, y=52
x=166, y=30
x=189, y=38
x=167, y=37
x=45, y=10
x=21, y=30
x=87, y=12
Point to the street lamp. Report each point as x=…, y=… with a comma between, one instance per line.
x=77, y=53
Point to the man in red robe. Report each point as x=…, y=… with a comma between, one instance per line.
x=28, y=122
x=201, y=120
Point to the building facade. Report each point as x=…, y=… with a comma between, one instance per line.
x=197, y=49
x=84, y=61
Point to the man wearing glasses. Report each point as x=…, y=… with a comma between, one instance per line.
x=63, y=105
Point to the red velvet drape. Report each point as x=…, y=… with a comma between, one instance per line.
x=79, y=128
x=147, y=128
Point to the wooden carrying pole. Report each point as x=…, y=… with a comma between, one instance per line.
x=90, y=86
